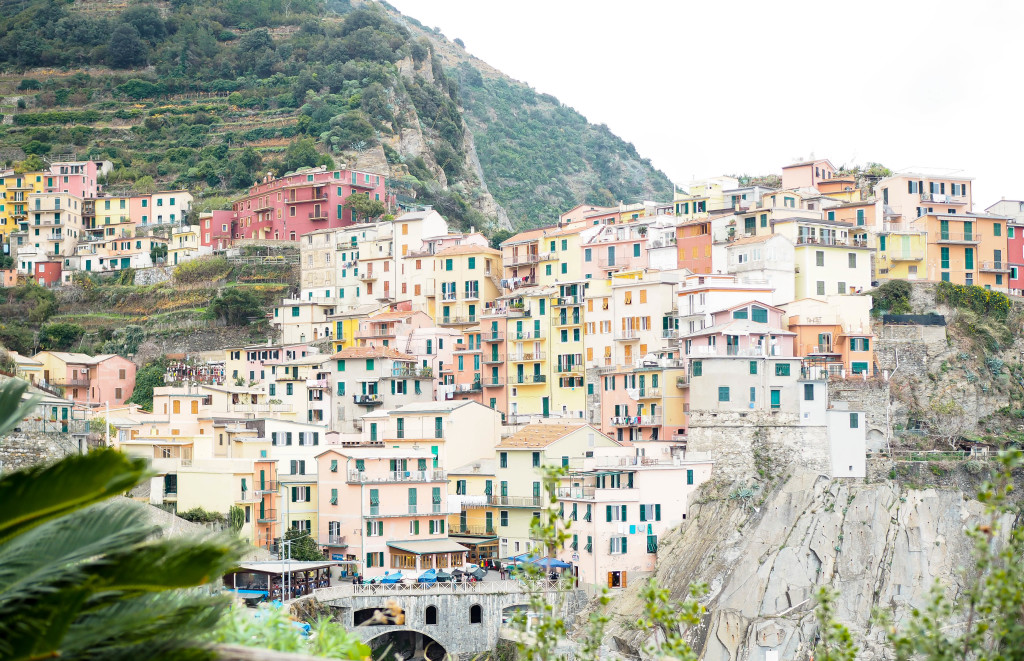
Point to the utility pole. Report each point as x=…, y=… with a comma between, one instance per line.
x=107, y=426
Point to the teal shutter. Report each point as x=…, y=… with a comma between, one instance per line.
x=608, y=512
x=657, y=512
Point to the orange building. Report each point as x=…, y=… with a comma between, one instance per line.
x=859, y=214
x=693, y=241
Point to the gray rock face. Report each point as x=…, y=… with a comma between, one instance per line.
x=877, y=546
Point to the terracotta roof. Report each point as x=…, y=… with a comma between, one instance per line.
x=750, y=239
x=538, y=436
x=469, y=249
x=371, y=352
x=388, y=316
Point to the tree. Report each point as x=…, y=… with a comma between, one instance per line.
x=126, y=49
x=158, y=253
x=60, y=336
x=31, y=164
x=364, y=208
x=300, y=154
x=304, y=548
x=255, y=43
x=146, y=21
x=500, y=237
x=236, y=307
x=124, y=341
x=85, y=577
x=146, y=379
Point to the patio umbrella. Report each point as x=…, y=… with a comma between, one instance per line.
x=443, y=576
x=549, y=563
x=429, y=576
x=392, y=578
x=457, y=572
x=478, y=573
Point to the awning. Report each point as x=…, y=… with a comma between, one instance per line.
x=474, y=541
x=428, y=546
x=276, y=567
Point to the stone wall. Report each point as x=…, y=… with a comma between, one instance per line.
x=743, y=444
x=23, y=449
x=870, y=396
x=153, y=275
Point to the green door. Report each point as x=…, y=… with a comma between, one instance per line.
x=519, y=372
x=125, y=262
x=494, y=352
x=263, y=480
x=546, y=406
x=494, y=330
x=88, y=265
x=776, y=402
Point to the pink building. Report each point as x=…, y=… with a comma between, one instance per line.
x=78, y=178
x=615, y=248
x=88, y=379
x=748, y=329
x=288, y=207
x=112, y=379
x=396, y=498
x=807, y=174
x=620, y=504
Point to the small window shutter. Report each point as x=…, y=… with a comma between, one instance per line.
x=657, y=512
x=608, y=512
x=308, y=493
x=643, y=512
x=611, y=545
x=295, y=494
x=623, y=513
x=430, y=526
x=369, y=528
x=316, y=438
x=441, y=523
x=624, y=540
x=334, y=465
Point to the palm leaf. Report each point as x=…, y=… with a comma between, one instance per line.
x=41, y=493
x=12, y=409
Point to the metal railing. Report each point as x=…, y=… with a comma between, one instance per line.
x=413, y=372
x=995, y=266
x=635, y=420
x=526, y=335
x=367, y=400
x=336, y=540
x=515, y=501
x=942, y=198
x=266, y=516
x=269, y=486
x=567, y=300
x=959, y=237
x=527, y=379
x=527, y=357
x=362, y=477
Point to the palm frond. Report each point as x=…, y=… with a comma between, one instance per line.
x=12, y=409
x=41, y=493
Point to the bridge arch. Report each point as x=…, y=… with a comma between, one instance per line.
x=411, y=644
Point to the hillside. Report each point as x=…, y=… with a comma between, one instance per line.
x=208, y=96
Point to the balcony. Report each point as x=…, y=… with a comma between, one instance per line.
x=336, y=540
x=959, y=237
x=170, y=494
x=248, y=496
x=569, y=369
x=54, y=237
x=475, y=386
x=74, y=382
x=490, y=359
x=995, y=267
x=903, y=255
x=377, y=331
x=320, y=384
x=567, y=320
x=361, y=184
x=627, y=335
x=525, y=357
x=636, y=421
x=448, y=296
x=515, y=501
x=526, y=335
x=492, y=336
x=267, y=487
x=367, y=276
x=530, y=258
x=262, y=408
x=412, y=372
x=683, y=381
x=458, y=320
x=472, y=531
x=650, y=393
x=606, y=263
x=473, y=295
x=266, y=516
x=527, y=379
x=670, y=333
x=491, y=382
x=317, y=215
x=367, y=400
x=942, y=198
x=361, y=477
x=563, y=301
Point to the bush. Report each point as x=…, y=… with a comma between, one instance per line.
x=236, y=307
x=146, y=379
x=60, y=336
x=29, y=84
x=893, y=297
x=200, y=515
x=202, y=270
x=977, y=299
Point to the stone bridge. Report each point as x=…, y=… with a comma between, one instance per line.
x=464, y=619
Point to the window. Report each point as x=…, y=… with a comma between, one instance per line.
x=618, y=545
x=472, y=263
x=781, y=369
x=696, y=368
x=860, y=344
x=860, y=216
x=820, y=287
x=739, y=314
x=852, y=259
x=854, y=420
x=536, y=459
x=819, y=258
x=997, y=229
x=723, y=393
x=430, y=617
x=476, y=614
x=760, y=315
x=589, y=257
x=503, y=459
x=753, y=367
x=503, y=518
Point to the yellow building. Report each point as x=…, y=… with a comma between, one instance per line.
x=901, y=252
x=468, y=281
x=474, y=525
x=520, y=491
x=112, y=218
x=185, y=245
x=14, y=192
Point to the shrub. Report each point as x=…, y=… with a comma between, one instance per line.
x=971, y=297
x=60, y=336
x=893, y=297
x=202, y=270
x=236, y=307
x=200, y=515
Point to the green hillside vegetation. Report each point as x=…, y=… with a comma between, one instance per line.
x=211, y=95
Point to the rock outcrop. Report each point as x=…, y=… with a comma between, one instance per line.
x=877, y=545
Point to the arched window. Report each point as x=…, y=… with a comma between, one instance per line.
x=431, y=615
x=476, y=614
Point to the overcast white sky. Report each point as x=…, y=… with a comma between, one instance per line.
x=732, y=87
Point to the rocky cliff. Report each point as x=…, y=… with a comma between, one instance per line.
x=878, y=544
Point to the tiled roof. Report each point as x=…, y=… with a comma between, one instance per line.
x=468, y=249
x=389, y=316
x=539, y=435
x=371, y=352
x=751, y=239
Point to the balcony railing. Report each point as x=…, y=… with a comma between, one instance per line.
x=942, y=198
x=627, y=335
x=266, y=516
x=492, y=337
x=457, y=320
x=526, y=335
x=262, y=408
x=569, y=369
x=636, y=421
x=78, y=382
x=336, y=540
x=491, y=382
x=448, y=296
x=996, y=267
x=490, y=359
x=567, y=300
x=362, y=477
x=904, y=255
x=249, y=496
x=530, y=258
x=959, y=237
x=367, y=276
x=475, y=386
x=474, y=531
x=367, y=400
x=515, y=501
x=267, y=487
x=670, y=333
x=317, y=383
x=527, y=357
x=568, y=320
x=527, y=379
x=577, y=493
x=650, y=393
x=413, y=372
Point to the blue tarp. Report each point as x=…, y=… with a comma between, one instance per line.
x=548, y=563
x=249, y=593
x=429, y=576
x=392, y=578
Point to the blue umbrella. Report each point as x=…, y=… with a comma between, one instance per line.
x=429, y=576
x=549, y=563
x=392, y=578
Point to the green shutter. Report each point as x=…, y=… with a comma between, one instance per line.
x=657, y=512
x=623, y=513
x=643, y=513
x=624, y=541
x=608, y=513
